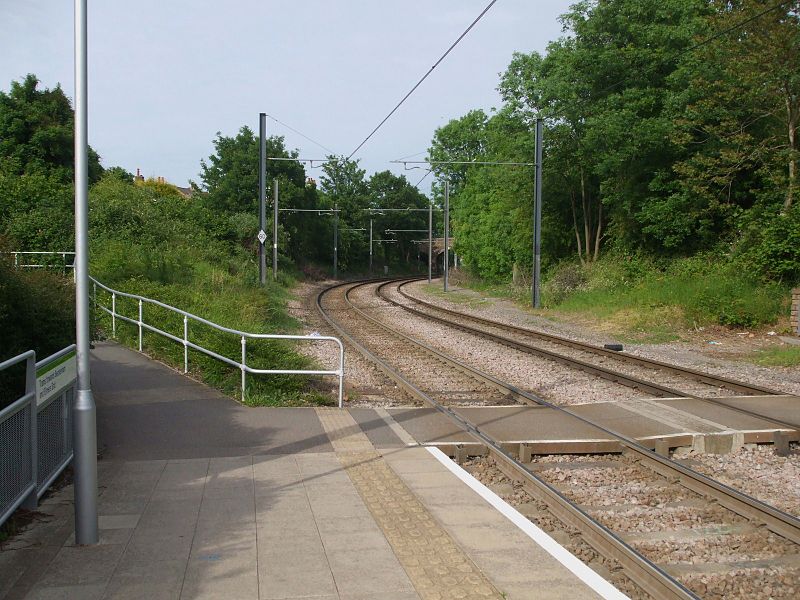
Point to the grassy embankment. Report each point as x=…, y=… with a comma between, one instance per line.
x=639, y=301
x=233, y=303
x=150, y=241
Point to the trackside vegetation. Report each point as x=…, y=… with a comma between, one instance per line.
x=670, y=196
x=670, y=163
x=150, y=240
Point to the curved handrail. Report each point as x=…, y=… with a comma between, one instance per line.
x=244, y=335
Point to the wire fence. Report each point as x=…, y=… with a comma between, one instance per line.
x=35, y=427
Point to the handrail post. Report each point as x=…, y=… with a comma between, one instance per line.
x=185, y=344
x=140, y=325
x=244, y=361
x=341, y=373
x=113, y=314
x=32, y=501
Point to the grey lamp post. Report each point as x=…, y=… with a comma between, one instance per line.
x=85, y=413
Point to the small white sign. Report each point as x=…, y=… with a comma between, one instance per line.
x=262, y=237
x=52, y=378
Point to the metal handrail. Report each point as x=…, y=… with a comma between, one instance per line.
x=244, y=335
x=62, y=254
x=25, y=496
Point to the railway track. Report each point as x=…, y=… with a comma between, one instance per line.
x=738, y=515
x=589, y=358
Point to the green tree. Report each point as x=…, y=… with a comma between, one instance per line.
x=738, y=111
x=37, y=133
x=387, y=190
x=119, y=173
x=344, y=188
x=230, y=176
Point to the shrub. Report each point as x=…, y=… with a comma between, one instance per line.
x=37, y=312
x=772, y=245
x=565, y=278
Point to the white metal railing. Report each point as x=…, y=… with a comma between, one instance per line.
x=25, y=265
x=187, y=343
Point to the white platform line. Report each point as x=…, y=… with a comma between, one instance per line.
x=604, y=588
x=398, y=430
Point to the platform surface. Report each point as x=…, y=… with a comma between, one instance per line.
x=214, y=500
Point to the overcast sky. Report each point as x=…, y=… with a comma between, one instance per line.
x=166, y=75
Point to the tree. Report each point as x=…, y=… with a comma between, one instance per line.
x=739, y=109
x=230, y=176
x=344, y=188
x=387, y=190
x=37, y=133
x=119, y=173
x=462, y=139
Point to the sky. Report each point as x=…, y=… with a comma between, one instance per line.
x=166, y=75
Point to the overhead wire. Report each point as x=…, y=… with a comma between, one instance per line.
x=424, y=77
x=416, y=185
x=303, y=135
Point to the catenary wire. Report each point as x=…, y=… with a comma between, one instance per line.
x=424, y=77
x=301, y=134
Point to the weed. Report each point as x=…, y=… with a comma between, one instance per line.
x=779, y=357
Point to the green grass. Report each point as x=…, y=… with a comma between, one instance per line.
x=640, y=300
x=457, y=297
x=233, y=302
x=648, y=304
x=779, y=357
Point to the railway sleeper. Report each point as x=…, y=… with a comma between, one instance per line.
x=789, y=561
x=687, y=535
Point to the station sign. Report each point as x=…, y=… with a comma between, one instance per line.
x=52, y=378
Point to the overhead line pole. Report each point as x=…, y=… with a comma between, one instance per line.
x=262, y=182
x=370, y=243
x=335, y=241
x=84, y=425
x=430, y=241
x=537, y=219
x=446, y=234
x=275, y=230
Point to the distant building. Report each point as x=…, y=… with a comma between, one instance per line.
x=186, y=192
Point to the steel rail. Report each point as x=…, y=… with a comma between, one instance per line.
x=609, y=374
x=778, y=521
x=751, y=508
x=604, y=372
x=645, y=573
x=719, y=381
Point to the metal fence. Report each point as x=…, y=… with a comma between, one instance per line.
x=187, y=343
x=44, y=260
x=36, y=429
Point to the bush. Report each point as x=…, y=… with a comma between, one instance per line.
x=640, y=293
x=565, y=279
x=772, y=245
x=37, y=312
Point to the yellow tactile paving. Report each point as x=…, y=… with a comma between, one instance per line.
x=437, y=567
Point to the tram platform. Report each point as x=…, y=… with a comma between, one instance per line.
x=203, y=498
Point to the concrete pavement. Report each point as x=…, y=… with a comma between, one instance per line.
x=203, y=498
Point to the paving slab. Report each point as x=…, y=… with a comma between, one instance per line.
x=145, y=411
x=275, y=503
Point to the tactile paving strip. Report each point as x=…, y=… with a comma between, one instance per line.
x=436, y=566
